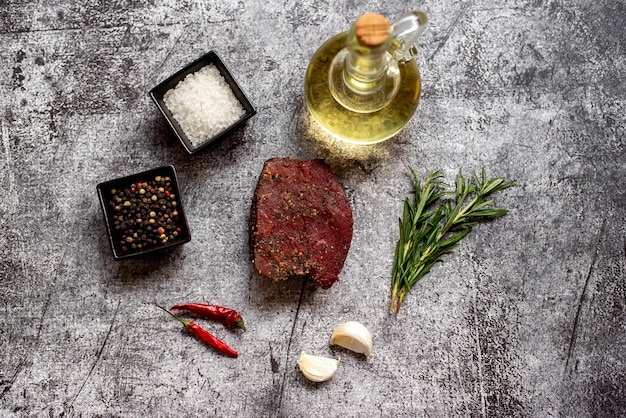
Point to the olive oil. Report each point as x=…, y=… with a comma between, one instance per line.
x=359, y=126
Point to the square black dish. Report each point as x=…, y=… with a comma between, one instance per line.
x=144, y=212
x=158, y=93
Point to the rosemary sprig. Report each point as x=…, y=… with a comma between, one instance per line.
x=434, y=222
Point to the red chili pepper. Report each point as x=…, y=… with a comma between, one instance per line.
x=204, y=335
x=228, y=317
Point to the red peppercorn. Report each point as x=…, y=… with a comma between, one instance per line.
x=160, y=230
x=133, y=190
x=178, y=229
x=139, y=183
x=167, y=193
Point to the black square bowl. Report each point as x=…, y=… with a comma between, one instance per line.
x=144, y=212
x=159, y=91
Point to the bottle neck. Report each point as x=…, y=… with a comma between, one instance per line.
x=364, y=79
x=365, y=68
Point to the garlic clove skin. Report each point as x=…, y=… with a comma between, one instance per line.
x=316, y=368
x=353, y=336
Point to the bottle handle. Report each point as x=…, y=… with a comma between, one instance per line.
x=404, y=33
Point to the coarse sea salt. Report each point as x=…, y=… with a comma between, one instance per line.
x=203, y=104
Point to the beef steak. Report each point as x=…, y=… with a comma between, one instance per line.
x=300, y=222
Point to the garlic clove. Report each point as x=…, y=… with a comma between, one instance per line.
x=353, y=336
x=316, y=368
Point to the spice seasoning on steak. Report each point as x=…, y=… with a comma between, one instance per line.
x=300, y=222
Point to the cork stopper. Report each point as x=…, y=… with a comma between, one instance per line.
x=372, y=30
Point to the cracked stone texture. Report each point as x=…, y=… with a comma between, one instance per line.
x=526, y=318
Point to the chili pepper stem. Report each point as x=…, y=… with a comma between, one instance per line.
x=241, y=325
x=183, y=321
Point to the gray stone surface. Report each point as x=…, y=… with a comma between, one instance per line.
x=526, y=318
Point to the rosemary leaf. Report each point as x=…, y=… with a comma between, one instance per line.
x=435, y=221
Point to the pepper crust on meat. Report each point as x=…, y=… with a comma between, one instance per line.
x=300, y=222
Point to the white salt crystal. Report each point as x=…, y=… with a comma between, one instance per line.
x=203, y=104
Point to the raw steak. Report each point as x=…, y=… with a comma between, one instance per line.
x=300, y=222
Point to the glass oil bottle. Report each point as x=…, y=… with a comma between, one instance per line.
x=363, y=85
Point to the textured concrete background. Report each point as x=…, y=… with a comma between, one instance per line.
x=526, y=318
